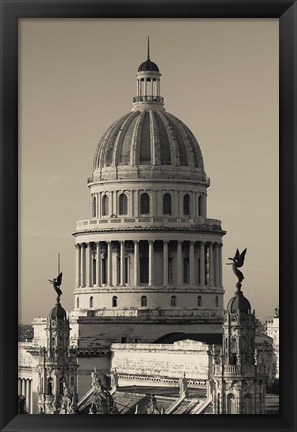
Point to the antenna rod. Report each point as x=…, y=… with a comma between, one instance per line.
x=148, y=47
x=59, y=263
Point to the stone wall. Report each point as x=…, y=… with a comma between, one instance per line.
x=165, y=360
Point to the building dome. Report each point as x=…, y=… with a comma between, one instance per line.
x=58, y=313
x=148, y=66
x=238, y=303
x=148, y=138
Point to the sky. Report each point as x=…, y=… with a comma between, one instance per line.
x=77, y=76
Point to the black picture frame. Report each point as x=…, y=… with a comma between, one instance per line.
x=11, y=11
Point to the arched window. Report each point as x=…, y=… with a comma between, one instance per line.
x=77, y=302
x=104, y=205
x=230, y=404
x=200, y=205
x=173, y=300
x=144, y=203
x=143, y=301
x=50, y=386
x=217, y=301
x=186, y=205
x=248, y=403
x=94, y=207
x=167, y=204
x=91, y=301
x=199, y=301
x=114, y=301
x=123, y=204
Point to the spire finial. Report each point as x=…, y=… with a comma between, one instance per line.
x=148, y=47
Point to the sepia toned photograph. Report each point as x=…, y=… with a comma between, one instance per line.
x=148, y=216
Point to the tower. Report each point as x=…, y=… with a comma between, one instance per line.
x=149, y=254
x=238, y=381
x=57, y=366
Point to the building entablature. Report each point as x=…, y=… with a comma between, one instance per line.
x=110, y=177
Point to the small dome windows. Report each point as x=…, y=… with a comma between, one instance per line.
x=143, y=301
x=186, y=205
x=167, y=204
x=114, y=301
x=94, y=206
x=123, y=204
x=145, y=204
x=105, y=205
x=173, y=300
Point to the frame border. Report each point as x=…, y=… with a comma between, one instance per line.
x=11, y=11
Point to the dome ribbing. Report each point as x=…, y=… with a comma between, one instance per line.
x=148, y=138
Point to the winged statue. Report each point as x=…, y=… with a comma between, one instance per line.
x=56, y=284
x=238, y=261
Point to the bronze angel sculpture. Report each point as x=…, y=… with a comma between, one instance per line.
x=238, y=261
x=56, y=284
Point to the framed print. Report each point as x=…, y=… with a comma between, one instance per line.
x=135, y=166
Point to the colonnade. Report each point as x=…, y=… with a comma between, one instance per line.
x=94, y=264
x=25, y=389
x=143, y=89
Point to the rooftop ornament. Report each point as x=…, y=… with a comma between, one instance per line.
x=56, y=282
x=238, y=261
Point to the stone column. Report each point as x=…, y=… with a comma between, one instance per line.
x=215, y=264
x=109, y=266
x=25, y=391
x=220, y=265
x=165, y=262
x=202, y=263
x=211, y=265
x=179, y=265
x=77, y=266
x=151, y=262
x=99, y=264
x=136, y=262
x=28, y=395
x=83, y=265
x=122, y=263
x=19, y=386
x=88, y=265
x=192, y=269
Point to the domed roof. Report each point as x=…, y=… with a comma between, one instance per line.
x=238, y=303
x=58, y=312
x=148, y=66
x=148, y=137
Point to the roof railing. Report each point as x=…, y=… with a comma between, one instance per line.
x=154, y=99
